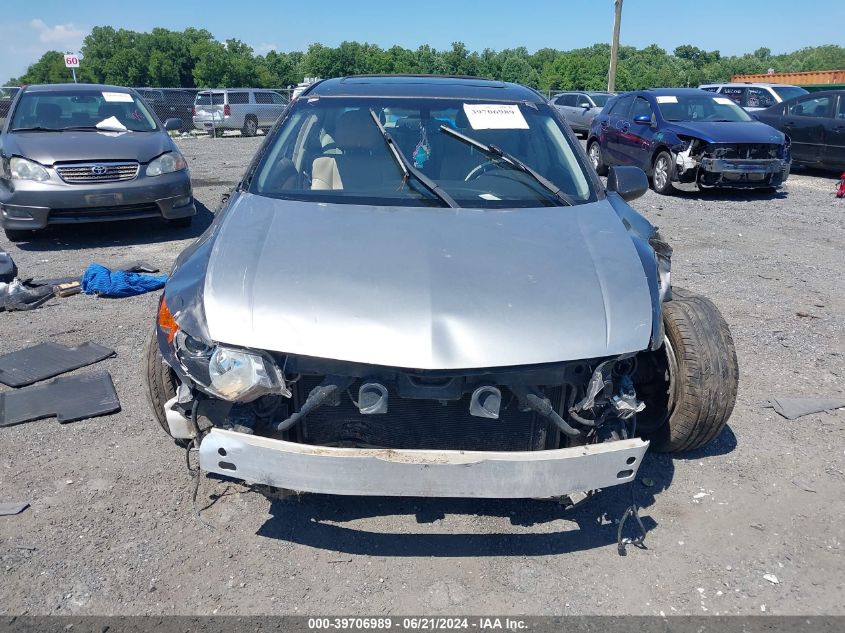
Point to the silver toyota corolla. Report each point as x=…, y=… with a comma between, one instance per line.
x=88, y=153
x=420, y=287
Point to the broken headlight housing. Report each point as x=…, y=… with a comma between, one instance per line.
x=232, y=374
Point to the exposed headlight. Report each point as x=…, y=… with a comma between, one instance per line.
x=24, y=169
x=243, y=376
x=166, y=164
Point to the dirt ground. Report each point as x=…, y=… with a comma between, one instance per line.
x=111, y=528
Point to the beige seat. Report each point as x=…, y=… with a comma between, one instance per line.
x=365, y=162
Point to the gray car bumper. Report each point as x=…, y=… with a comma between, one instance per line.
x=420, y=473
x=34, y=205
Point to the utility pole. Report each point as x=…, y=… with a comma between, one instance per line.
x=614, y=47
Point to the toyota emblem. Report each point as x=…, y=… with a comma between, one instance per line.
x=98, y=170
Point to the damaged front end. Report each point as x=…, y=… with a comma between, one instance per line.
x=734, y=165
x=317, y=425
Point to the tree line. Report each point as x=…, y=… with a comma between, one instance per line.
x=193, y=58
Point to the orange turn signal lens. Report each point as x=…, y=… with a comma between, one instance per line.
x=166, y=321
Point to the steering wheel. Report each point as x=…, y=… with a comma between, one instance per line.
x=480, y=170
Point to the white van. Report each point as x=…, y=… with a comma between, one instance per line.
x=755, y=96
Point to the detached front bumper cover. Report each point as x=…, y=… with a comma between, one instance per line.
x=420, y=473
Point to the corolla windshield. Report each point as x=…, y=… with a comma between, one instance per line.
x=422, y=152
x=59, y=110
x=701, y=108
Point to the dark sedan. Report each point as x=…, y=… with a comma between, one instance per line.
x=689, y=136
x=815, y=123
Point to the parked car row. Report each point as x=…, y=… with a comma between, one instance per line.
x=703, y=137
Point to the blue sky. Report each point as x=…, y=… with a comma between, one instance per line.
x=27, y=29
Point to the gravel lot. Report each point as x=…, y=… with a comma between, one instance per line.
x=111, y=528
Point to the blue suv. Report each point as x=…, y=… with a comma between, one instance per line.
x=685, y=135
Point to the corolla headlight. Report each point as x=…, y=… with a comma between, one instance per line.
x=166, y=164
x=24, y=169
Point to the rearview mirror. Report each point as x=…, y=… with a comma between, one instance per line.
x=629, y=182
x=173, y=124
x=643, y=119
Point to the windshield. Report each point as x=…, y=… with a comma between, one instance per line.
x=331, y=149
x=788, y=92
x=700, y=108
x=60, y=110
x=600, y=100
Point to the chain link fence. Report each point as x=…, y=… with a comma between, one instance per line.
x=202, y=111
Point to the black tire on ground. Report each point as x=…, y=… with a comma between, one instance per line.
x=699, y=364
x=14, y=235
x=250, y=127
x=180, y=223
x=594, y=152
x=160, y=381
x=661, y=174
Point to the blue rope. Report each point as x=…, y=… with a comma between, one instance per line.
x=99, y=280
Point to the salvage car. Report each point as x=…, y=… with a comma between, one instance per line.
x=580, y=108
x=446, y=302
x=690, y=136
x=72, y=153
x=815, y=124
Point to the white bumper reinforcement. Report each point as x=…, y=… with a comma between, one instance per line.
x=420, y=473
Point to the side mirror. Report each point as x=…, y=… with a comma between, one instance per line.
x=754, y=116
x=629, y=182
x=585, y=105
x=643, y=119
x=173, y=124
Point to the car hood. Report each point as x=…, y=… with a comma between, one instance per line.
x=426, y=288
x=740, y=132
x=53, y=147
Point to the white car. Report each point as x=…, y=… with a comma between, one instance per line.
x=755, y=96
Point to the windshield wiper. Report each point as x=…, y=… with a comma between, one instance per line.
x=513, y=161
x=409, y=170
x=36, y=128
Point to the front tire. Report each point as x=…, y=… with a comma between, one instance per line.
x=16, y=235
x=594, y=152
x=160, y=381
x=661, y=176
x=690, y=384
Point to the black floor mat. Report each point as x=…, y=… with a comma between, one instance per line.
x=46, y=360
x=68, y=398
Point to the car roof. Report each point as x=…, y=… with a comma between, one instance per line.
x=671, y=91
x=753, y=83
x=438, y=86
x=79, y=87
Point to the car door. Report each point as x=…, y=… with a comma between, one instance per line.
x=614, y=128
x=563, y=104
x=638, y=142
x=805, y=124
x=833, y=153
x=581, y=108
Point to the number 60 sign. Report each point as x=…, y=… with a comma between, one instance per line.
x=71, y=60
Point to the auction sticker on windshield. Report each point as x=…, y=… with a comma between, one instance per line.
x=123, y=97
x=667, y=99
x=724, y=101
x=495, y=116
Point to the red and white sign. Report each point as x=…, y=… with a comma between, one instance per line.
x=71, y=60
